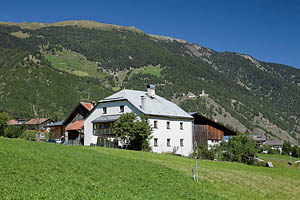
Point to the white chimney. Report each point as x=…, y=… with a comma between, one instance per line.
x=150, y=90
x=143, y=102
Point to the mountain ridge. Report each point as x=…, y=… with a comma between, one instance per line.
x=261, y=96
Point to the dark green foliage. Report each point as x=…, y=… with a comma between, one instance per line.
x=264, y=147
x=286, y=148
x=205, y=153
x=29, y=135
x=296, y=151
x=142, y=134
x=38, y=88
x=240, y=149
x=123, y=127
x=13, y=132
x=136, y=131
x=4, y=118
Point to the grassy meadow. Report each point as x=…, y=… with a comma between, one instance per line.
x=74, y=63
x=35, y=170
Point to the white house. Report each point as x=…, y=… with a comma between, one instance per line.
x=172, y=126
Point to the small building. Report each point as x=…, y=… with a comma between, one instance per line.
x=259, y=139
x=275, y=144
x=56, y=129
x=75, y=133
x=16, y=122
x=71, y=129
x=207, y=131
x=38, y=124
x=172, y=126
x=74, y=123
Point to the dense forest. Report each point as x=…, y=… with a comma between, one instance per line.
x=245, y=88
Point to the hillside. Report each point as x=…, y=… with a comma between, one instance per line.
x=244, y=94
x=71, y=172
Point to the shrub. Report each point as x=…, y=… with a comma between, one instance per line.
x=286, y=148
x=13, y=132
x=4, y=117
x=29, y=135
x=239, y=149
x=135, y=130
x=205, y=153
x=296, y=151
x=263, y=148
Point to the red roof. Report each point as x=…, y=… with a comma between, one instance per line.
x=78, y=125
x=88, y=106
x=37, y=121
x=13, y=122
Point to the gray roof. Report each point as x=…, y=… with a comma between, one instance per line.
x=59, y=123
x=106, y=118
x=155, y=105
x=274, y=142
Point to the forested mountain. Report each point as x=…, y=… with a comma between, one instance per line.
x=47, y=68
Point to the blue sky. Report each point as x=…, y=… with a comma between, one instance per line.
x=268, y=30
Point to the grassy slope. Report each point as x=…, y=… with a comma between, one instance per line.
x=74, y=63
x=38, y=170
x=152, y=70
x=279, y=160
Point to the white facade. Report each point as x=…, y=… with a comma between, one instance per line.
x=176, y=138
x=112, y=108
x=180, y=138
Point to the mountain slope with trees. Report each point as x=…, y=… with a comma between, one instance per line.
x=244, y=94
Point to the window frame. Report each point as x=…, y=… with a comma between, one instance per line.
x=155, y=124
x=168, y=125
x=155, y=142
x=168, y=142
x=104, y=110
x=181, y=126
x=182, y=142
x=122, y=109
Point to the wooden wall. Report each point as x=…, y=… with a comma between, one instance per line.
x=203, y=133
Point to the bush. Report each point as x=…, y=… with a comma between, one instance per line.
x=263, y=148
x=29, y=135
x=13, y=132
x=205, y=153
x=4, y=118
x=286, y=148
x=239, y=149
x=296, y=151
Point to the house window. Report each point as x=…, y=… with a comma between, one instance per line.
x=168, y=125
x=105, y=128
x=181, y=142
x=155, y=124
x=104, y=110
x=181, y=125
x=168, y=142
x=155, y=142
x=121, y=109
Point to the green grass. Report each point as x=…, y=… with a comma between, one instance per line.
x=153, y=70
x=34, y=170
x=280, y=161
x=74, y=63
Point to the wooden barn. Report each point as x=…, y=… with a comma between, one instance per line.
x=206, y=131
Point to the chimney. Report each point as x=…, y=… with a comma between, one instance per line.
x=151, y=90
x=143, y=102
